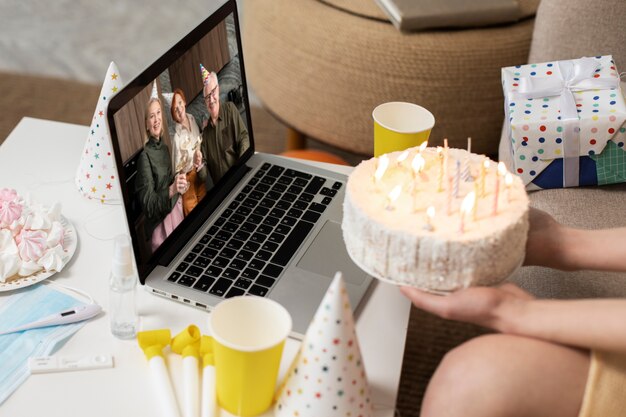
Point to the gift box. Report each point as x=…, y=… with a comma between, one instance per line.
x=566, y=122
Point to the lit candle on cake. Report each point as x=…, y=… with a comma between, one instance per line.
x=393, y=196
x=440, y=178
x=402, y=157
x=467, y=176
x=466, y=207
x=457, y=179
x=430, y=215
x=423, y=146
x=449, y=195
x=383, y=163
x=475, y=207
x=483, y=174
x=500, y=173
x=445, y=156
x=417, y=165
x=508, y=181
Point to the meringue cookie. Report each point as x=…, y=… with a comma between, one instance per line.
x=16, y=227
x=32, y=244
x=7, y=244
x=10, y=211
x=52, y=260
x=37, y=219
x=9, y=265
x=29, y=268
x=8, y=194
x=56, y=235
x=10, y=261
x=31, y=236
x=54, y=212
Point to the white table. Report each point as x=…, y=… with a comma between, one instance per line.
x=41, y=157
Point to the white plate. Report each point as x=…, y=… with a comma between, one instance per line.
x=70, y=241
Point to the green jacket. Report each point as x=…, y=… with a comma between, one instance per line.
x=223, y=144
x=154, y=176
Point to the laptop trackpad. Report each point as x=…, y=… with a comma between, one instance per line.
x=327, y=255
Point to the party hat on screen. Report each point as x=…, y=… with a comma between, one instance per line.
x=155, y=90
x=96, y=176
x=205, y=74
x=327, y=378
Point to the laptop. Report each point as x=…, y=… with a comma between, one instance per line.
x=209, y=217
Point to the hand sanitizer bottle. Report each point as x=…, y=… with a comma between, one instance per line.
x=122, y=309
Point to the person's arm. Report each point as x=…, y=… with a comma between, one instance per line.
x=202, y=169
x=597, y=323
x=243, y=139
x=553, y=245
x=175, y=152
x=590, y=324
x=156, y=204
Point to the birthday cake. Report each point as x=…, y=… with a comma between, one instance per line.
x=437, y=219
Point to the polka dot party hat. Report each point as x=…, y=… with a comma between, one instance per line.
x=205, y=74
x=327, y=378
x=96, y=176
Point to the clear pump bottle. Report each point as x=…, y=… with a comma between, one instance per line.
x=122, y=285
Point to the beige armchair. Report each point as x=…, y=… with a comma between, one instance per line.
x=322, y=66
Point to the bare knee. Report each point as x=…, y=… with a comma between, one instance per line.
x=463, y=380
x=504, y=375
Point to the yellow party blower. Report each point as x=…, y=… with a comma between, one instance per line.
x=187, y=344
x=209, y=392
x=152, y=343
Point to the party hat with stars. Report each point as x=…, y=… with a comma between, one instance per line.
x=96, y=177
x=205, y=74
x=327, y=378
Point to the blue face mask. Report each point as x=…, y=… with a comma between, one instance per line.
x=26, y=306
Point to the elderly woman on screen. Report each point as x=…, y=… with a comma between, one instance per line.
x=186, y=150
x=158, y=189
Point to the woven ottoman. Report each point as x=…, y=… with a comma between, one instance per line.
x=322, y=66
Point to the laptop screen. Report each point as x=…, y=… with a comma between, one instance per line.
x=179, y=130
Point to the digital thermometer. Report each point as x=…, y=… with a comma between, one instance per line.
x=64, y=317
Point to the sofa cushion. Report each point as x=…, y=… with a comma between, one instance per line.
x=586, y=208
x=566, y=29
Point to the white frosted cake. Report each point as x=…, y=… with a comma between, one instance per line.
x=421, y=218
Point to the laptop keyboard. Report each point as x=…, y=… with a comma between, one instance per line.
x=247, y=248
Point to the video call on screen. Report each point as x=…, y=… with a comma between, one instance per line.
x=181, y=134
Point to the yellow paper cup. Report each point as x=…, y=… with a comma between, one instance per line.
x=399, y=126
x=249, y=334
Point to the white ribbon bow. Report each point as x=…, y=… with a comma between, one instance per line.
x=572, y=75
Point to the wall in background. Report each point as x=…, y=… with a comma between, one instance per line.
x=76, y=39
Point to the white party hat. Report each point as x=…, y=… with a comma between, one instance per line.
x=155, y=91
x=327, y=377
x=96, y=176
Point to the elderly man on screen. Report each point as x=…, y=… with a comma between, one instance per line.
x=225, y=137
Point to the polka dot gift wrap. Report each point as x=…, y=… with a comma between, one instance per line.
x=96, y=176
x=327, y=377
x=566, y=122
